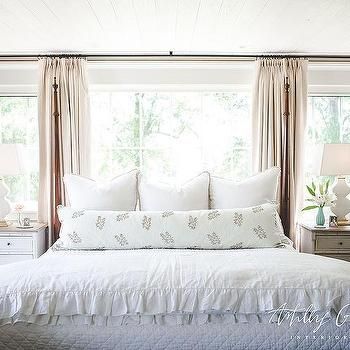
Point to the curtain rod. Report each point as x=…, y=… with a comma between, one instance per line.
x=172, y=56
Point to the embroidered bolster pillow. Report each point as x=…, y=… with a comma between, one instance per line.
x=254, y=227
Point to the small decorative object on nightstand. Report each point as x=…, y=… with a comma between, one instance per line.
x=18, y=209
x=26, y=223
x=21, y=244
x=333, y=221
x=320, y=198
x=333, y=242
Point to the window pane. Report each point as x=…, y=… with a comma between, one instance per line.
x=328, y=121
x=175, y=135
x=159, y=164
x=116, y=119
x=326, y=117
x=19, y=124
x=109, y=162
x=171, y=119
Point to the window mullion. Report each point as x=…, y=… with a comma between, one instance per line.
x=341, y=119
x=141, y=123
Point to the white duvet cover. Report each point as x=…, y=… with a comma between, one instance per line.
x=185, y=285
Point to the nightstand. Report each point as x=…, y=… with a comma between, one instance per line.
x=333, y=242
x=21, y=244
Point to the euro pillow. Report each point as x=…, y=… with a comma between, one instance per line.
x=192, y=195
x=254, y=227
x=118, y=194
x=256, y=190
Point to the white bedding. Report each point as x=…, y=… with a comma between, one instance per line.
x=222, y=336
x=110, y=286
x=253, y=227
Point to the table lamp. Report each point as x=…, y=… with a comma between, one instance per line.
x=336, y=161
x=11, y=163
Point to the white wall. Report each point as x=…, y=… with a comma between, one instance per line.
x=329, y=79
x=18, y=78
x=171, y=75
x=22, y=77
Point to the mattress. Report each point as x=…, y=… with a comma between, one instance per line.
x=227, y=336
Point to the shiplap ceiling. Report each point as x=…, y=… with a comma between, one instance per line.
x=183, y=26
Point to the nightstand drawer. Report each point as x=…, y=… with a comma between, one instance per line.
x=12, y=258
x=333, y=243
x=16, y=244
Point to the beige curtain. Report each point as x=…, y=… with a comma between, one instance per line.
x=73, y=131
x=270, y=146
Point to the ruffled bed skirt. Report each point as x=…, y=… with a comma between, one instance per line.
x=160, y=320
x=173, y=306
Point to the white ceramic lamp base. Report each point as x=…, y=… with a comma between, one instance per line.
x=342, y=204
x=5, y=207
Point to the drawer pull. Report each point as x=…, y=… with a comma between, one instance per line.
x=8, y=243
x=340, y=243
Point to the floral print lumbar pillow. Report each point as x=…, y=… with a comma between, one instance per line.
x=253, y=227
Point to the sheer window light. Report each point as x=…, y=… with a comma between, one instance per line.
x=19, y=125
x=171, y=136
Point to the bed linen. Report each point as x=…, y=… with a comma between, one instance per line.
x=105, y=287
x=120, y=193
x=254, y=227
x=191, y=195
x=223, y=336
x=173, y=299
x=255, y=190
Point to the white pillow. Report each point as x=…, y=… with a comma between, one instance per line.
x=256, y=190
x=254, y=227
x=194, y=194
x=117, y=194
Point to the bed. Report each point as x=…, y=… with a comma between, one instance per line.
x=188, y=271
x=175, y=299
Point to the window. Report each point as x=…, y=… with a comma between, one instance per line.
x=328, y=122
x=171, y=136
x=19, y=124
x=329, y=119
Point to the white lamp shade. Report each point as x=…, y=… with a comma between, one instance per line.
x=335, y=159
x=11, y=161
